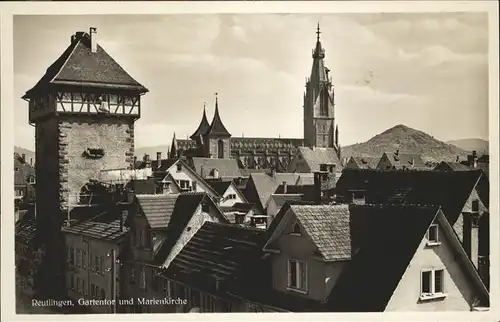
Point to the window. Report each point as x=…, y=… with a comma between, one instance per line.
x=92, y=268
x=84, y=259
x=78, y=258
x=220, y=149
x=179, y=167
x=97, y=265
x=433, y=235
x=132, y=276
x=475, y=205
x=239, y=218
x=322, y=167
x=142, y=281
x=78, y=284
x=432, y=284
x=297, y=275
x=184, y=184
x=296, y=229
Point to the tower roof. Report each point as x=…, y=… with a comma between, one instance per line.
x=217, y=128
x=79, y=66
x=318, y=72
x=203, y=127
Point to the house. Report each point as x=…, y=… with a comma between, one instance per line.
x=92, y=248
x=28, y=255
x=148, y=186
x=218, y=259
x=362, y=162
x=241, y=213
x=24, y=180
x=229, y=193
x=308, y=160
x=320, y=253
x=451, y=166
x=473, y=162
x=463, y=196
x=400, y=161
x=259, y=188
x=160, y=226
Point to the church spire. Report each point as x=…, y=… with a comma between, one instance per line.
x=217, y=128
x=203, y=127
x=319, y=52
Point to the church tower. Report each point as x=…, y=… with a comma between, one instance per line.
x=319, y=113
x=83, y=110
x=216, y=140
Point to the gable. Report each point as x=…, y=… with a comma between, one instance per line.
x=233, y=190
x=461, y=289
x=186, y=173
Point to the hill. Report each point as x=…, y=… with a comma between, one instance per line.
x=480, y=145
x=406, y=140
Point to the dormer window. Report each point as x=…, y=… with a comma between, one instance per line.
x=296, y=230
x=433, y=235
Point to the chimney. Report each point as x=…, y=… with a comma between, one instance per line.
x=216, y=173
x=285, y=186
x=202, y=172
x=147, y=161
x=317, y=188
x=93, y=39
x=158, y=159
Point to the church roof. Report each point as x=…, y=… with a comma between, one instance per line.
x=202, y=128
x=79, y=66
x=217, y=128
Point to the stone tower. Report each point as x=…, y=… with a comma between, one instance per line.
x=83, y=110
x=319, y=113
x=216, y=140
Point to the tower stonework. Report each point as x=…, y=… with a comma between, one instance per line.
x=319, y=113
x=83, y=109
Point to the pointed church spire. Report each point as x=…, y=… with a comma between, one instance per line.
x=203, y=127
x=318, y=32
x=319, y=52
x=217, y=128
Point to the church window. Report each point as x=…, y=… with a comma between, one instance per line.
x=324, y=104
x=220, y=149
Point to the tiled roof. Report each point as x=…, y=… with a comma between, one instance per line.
x=448, y=189
x=220, y=186
x=100, y=228
x=452, y=166
x=260, y=187
x=289, y=178
x=315, y=157
x=26, y=228
x=158, y=209
x=182, y=212
x=80, y=67
x=366, y=162
x=407, y=160
x=202, y=128
x=219, y=251
x=305, y=179
x=328, y=227
x=164, y=164
x=25, y=170
x=226, y=167
x=386, y=239
x=248, y=172
x=294, y=189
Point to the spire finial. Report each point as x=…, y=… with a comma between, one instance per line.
x=216, y=100
x=318, y=32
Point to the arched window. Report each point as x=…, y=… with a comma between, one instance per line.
x=324, y=104
x=296, y=229
x=220, y=149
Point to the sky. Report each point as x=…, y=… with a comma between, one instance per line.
x=428, y=71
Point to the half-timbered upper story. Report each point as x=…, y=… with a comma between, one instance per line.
x=85, y=80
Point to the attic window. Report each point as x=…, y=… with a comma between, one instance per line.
x=433, y=235
x=475, y=205
x=93, y=153
x=296, y=230
x=179, y=167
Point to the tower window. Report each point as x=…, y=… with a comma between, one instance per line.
x=93, y=153
x=220, y=149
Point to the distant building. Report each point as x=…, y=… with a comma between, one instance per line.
x=24, y=181
x=213, y=140
x=362, y=163
x=401, y=161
